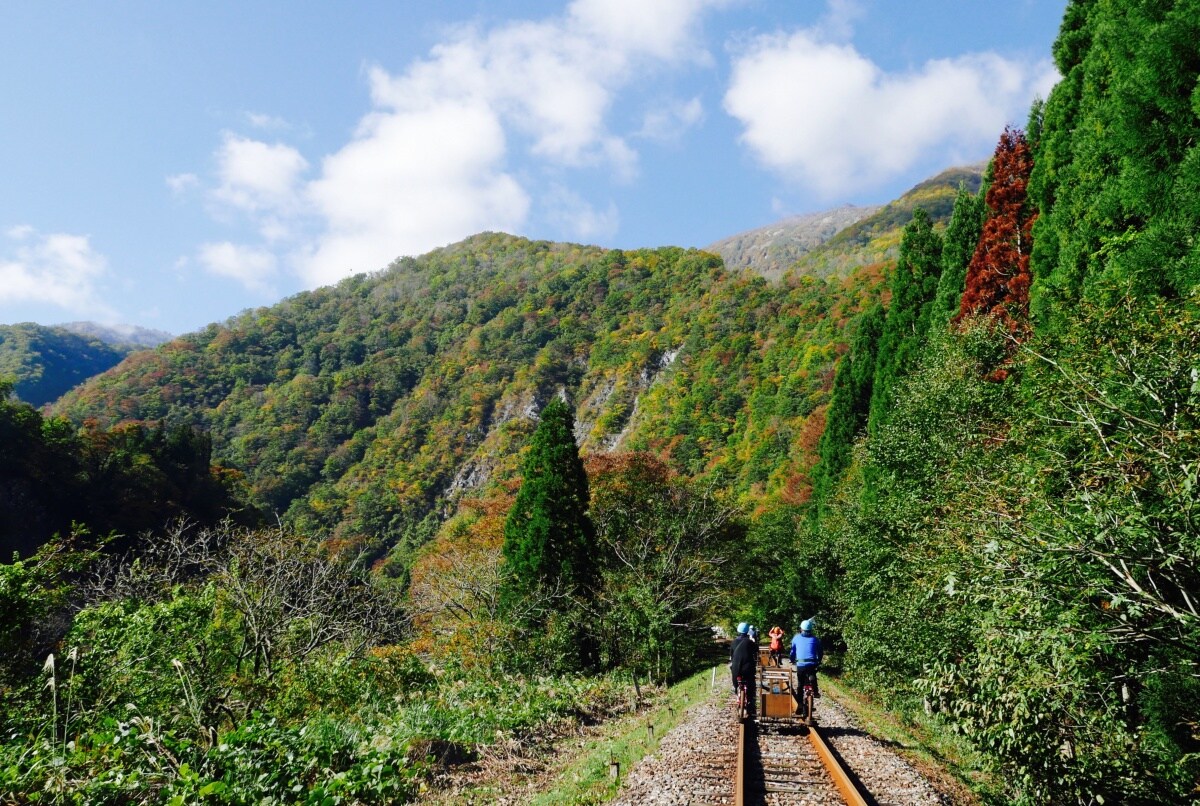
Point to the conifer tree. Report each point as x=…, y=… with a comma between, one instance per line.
x=848, y=408
x=914, y=285
x=1119, y=156
x=998, y=278
x=548, y=538
x=961, y=239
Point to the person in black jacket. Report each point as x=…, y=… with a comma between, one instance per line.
x=743, y=662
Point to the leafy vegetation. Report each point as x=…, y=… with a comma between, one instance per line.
x=969, y=449
x=231, y=665
x=1012, y=548
x=44, y=362
x=668, y=549
x=121, y=482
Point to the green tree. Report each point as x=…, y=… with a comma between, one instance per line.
x=1118, y=158
x=848, y=408
x=914, y=284
x=962, y=236
x=665, y=545
x=549, y=539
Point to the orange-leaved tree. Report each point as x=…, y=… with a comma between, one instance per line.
x=998, y=277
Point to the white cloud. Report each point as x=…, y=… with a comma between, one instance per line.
x=258, y=176
x=180, y=184
x=253, y=267
x=430, y=164
x=668, y=122
x=460, y=141
x=839, y=18
x=575, y=215
x=662, y=29
x=411, y=181
x=263, y=121
x=548, y=81
x=827, y=117
x=56, y=269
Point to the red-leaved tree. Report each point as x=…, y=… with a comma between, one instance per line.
x=998, y=278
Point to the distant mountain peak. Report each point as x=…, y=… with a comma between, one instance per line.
x=834, y=242
x=772, y=249
x=119, y=335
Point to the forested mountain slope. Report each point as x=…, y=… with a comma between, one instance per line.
x=772, y=250
x=838, y=241
x=313, y=395
x=970, y=450
x=877, y=237
x=360, y=409
x=44, y=362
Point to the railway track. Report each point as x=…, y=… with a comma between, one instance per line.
x=788, y=763
x=713, y=759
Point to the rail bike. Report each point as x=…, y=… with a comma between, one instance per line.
x=769, y=725
x=784, y=694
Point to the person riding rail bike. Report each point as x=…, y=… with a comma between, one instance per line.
x=776, y=636
x=806, y=653
x=743, y=662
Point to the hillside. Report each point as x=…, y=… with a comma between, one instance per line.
x=366, y=408
x=961, y=434
x=836, y=242
x=877, y=237
x=45, y=362
x=772, y=250
x=131, y=336
x=363, y=409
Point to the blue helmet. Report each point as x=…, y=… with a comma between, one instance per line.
x=743, y=628
x=807, y=625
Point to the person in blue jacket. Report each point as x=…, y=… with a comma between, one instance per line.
x=806, y=653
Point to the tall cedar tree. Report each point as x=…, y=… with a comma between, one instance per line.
x=961, y=239
x=998, y=278
x=1117, y=178
x=549, y=540
x=848, y=409
x=914, y=285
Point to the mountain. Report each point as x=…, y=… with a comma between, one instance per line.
x=876, y=237
x=837, y=241
x=363, y=409
x=773, y=249
x=366, y=408
x=44, y=362
x=1002, y=541
x=131, y=336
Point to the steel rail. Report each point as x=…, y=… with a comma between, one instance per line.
x=739, y=779
x=840, y=778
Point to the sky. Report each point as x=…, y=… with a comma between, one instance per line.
x=172, y=164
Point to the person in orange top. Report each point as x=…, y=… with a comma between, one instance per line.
x=776, y=635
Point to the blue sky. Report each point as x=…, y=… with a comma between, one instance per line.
x=171, y=164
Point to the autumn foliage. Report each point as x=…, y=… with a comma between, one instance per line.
x=998, y=277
